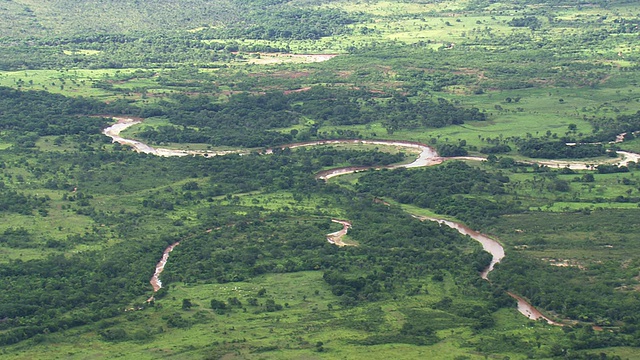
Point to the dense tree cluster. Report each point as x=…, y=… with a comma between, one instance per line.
x=13, y=201
x=452, y=150
x=44, y=113
x=607, y=129
x=451, y=189
x=58, y=292
x=537, y=148
x=244, y=120
x=286, y=23
x=626, y=26
x=610, y=169
x=563, y=290
x=531, y=22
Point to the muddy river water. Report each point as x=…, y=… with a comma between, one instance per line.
x=427, y=156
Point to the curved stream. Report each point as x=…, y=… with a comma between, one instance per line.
x=335, y=238
x=155, y=279
x=489, y=245
x=427, y=157
x=496, y=250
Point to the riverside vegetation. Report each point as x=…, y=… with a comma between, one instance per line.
x=85, y=220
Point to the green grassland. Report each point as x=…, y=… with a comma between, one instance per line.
x=632, y=145
x=307, y=319
x=258, y=222
x=71, y=83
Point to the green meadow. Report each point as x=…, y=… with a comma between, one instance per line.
x=83, y=222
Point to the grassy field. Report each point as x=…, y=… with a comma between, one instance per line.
x=68, y=82
x=633, y=145
x=311, y=315
x=529, y=82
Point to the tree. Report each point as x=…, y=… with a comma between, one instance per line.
x=186, y=304
x=234, y=302
x=587, y=178
x=529, y=21
x=218, y=305
x=191, y=185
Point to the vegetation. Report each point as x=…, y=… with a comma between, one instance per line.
x=84, y=221
x=557, y=149
x=233, y=122
x=577, y=271
x=446, y=189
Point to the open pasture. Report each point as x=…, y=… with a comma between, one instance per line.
x=534, y=69
x=311, y=315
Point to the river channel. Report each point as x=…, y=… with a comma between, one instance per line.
x=427, y=157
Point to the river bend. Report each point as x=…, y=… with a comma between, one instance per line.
x=427, y=157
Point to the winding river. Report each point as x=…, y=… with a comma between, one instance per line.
x=489, y=245
x=427, y=157
x=496, y=250
x=155, y=279
x=335, y=238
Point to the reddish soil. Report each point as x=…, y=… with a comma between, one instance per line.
x=306, y=88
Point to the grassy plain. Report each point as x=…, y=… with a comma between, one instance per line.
x=555, y=227
x=632, y=145
x=311, y=315
x=77, y=82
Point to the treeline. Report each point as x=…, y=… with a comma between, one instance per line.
x=452, y=149
x=244, y=120
x=236, y=137
x=454, y=189
x=285, y=24
x=607, y=129
x=402, y=114
x=395, y=111
x=62, y=292
x=42, y=113
x=538, y=148
x=329, y=156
